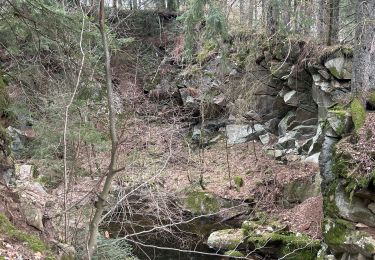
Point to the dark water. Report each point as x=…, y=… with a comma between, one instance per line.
x=159, y=254
x=186, y=237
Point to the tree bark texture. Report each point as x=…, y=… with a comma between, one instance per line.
x=364, y=47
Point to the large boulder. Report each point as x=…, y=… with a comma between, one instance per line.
x=340, y=121
x=323, y=100
x=353, y=209
x=305, y=116
x=33, y=199
x=272, y=239
x=288, y=141
x=242, y=133
x=25, y=172
x=227, y=239
x=299, y=190
x=306, y=131
x=340, y=67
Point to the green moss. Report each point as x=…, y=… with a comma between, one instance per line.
x=347, y=51
x=339, y=166
x=33, y=242
x=341, y=114
x=330, y=208
x=249, y=226
x=334, y=72
x=358, y=114
x=208, y=49
x=202, y=203
x=4, y=98
x=335, y=231
x=299, y=253
x=238, y=182
x=233, y=253
x=286, y=238
x=369, y=248
x=35, y=172
x=292, y=245
x=44, y=180
x=372, y=98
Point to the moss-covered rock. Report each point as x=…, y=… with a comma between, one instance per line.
x=342, y=237
x=340, y=67
x=358, y=113
x=270, y=237
x=286, y=244
x=208, y=50
x=31, y=241
x=340, y=120
x=299, y=190
x=227, y=239
x=202, y=203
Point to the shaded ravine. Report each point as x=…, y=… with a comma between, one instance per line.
x=185, y=240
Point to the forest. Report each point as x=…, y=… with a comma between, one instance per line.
x=187, y=129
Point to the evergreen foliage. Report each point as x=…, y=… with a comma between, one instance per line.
x=113, y=249
x=206, y=15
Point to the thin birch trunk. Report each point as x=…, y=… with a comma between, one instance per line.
x=103, y=196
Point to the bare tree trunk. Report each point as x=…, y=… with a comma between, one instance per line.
x=264, y=14
x=287, y=11
x=255, y=13
x=161, y=4
x=242, y=12
x=333, y=26
x=321, y=20
x=135, y=4
x=171, y=5
x=250, y=14
x=102, y=197
x=296, y=16
x=114, y=5
x=272, y=17
x=364, y=48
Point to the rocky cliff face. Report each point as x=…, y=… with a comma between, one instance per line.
x=301, y=97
